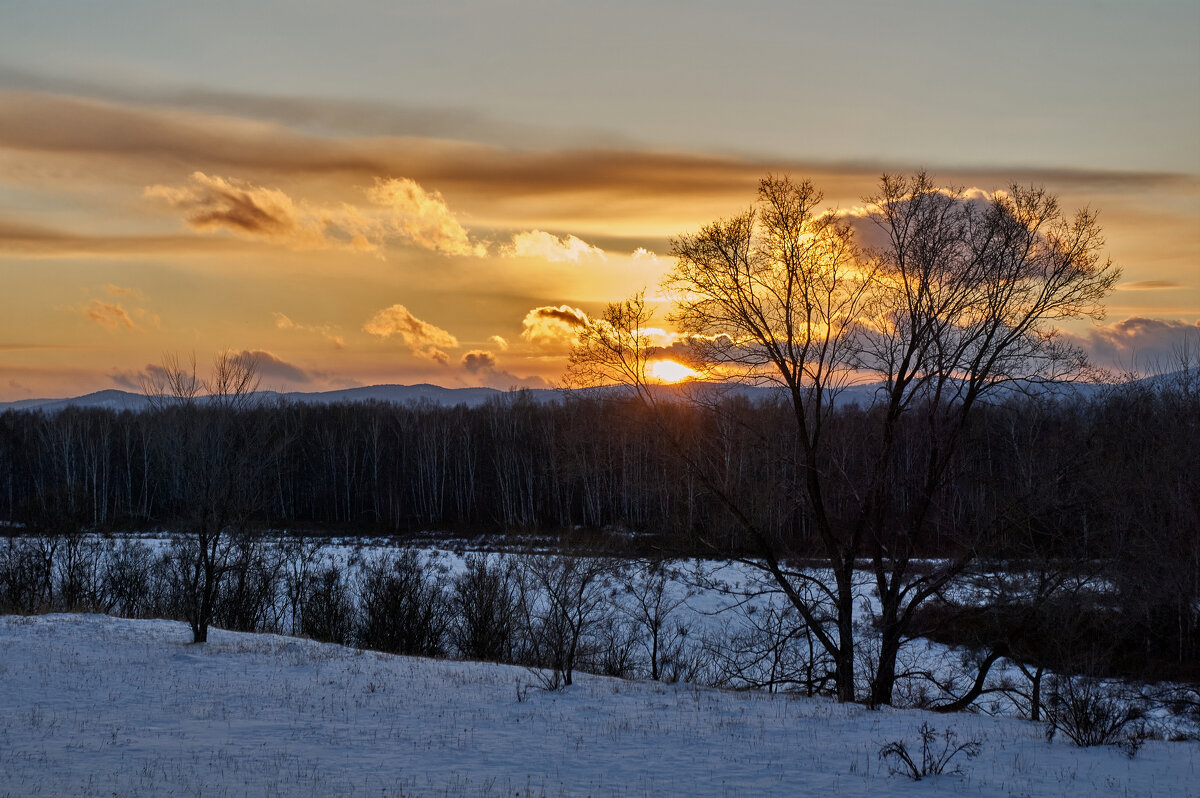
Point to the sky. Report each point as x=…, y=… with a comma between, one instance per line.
x=370, y=192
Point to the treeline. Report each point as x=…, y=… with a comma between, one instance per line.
x=1105, y=486
x=1061, y=477
x=511, y=465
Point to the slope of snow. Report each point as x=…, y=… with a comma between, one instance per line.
x=91, y=705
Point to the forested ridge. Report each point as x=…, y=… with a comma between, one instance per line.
x=1069, y=476
x=1103, y=486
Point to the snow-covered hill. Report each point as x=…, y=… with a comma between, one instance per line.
x=91, y=705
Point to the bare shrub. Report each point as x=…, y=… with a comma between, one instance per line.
x=1183, y=703
x=769, y=647
x=485, y=600
x=653, y=600
x=403, y=606
x=26, y=574
x=613, y=649
x=935, y=756
x=129, y=576
x=301, y=556
x=326, y=607
x=248, y=599
x=1088, y=713
x=78, y=571
x=565, y=600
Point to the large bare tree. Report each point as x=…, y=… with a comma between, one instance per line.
x=951, y=297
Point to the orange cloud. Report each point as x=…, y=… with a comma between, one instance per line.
x=539, y=244
x=553, y=327
x=1149, y=285
x=423, y=217
x=423, y=339
x=110, y=316
x=211, y=203
x=401, y=209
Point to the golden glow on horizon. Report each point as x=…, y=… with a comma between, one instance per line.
x=668, y=371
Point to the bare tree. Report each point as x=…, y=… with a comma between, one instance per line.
x=217, y=483
x=653, y=598
x=959, y=300
x=566, y=597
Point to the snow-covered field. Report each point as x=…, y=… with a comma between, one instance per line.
x=91, y=705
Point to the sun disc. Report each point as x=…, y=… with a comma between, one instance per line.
x=669, y=371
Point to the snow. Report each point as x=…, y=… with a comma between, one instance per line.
x=92, y=705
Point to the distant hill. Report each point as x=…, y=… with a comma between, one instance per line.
x=112, y=399
x=398, y=394
x=411, y=394
x=473, y=397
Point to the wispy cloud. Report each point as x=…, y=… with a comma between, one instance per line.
x=327, y=331
x=59, y=124
x=44, y=242
x=1149, y=285
x=423, y=339
x=109, y=315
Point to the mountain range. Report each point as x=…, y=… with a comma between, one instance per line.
x=115, y=399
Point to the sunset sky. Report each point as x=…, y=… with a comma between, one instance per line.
x=401, y=192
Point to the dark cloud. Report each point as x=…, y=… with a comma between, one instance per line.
x=479, y=360
x=1139, y=344
x=483, y=365
x=211, y=203
x=271, y=367
x=267, y=366
x=47, y=123
x=152, y=374
x=321, y=115
x=43, y=242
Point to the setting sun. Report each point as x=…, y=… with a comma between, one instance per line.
x=669, y=371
